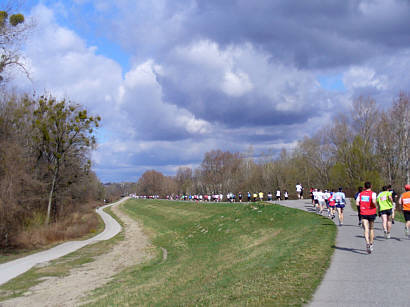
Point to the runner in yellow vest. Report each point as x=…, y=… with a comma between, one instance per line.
x=385, y=203
x=261, y=196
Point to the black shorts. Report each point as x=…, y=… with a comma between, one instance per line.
x=406, y=214
x=316, y=201
x=370, y=218
x=387, y=212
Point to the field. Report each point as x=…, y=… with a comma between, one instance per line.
x=223, y=255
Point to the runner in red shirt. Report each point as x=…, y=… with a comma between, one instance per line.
x=368, y=212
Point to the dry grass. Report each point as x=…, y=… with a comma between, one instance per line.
x=36, y=236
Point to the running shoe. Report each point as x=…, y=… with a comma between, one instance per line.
x=388, y=235
x=368, y=248
x=371, y=248
x=385, y=234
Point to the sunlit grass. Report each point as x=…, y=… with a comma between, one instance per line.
x=224, y=254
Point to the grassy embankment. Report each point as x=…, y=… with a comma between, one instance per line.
x=59, y=267
x=224, y=254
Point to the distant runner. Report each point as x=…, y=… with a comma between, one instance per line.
x=286, y=195
x=385, y=203
x=394, y=196
x=405, y=202
x=332, y=204
x=340, y=198
x=299, y=190
x=278, y=195
x=368, y=211
x=261, y=196
x=359, y=190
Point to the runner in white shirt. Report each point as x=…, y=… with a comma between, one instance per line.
x=321, y=199
x=299, y=190
x=316, y=201
x=340, y=198
x=278, y=195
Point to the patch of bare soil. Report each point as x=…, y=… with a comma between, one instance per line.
x=69, y=290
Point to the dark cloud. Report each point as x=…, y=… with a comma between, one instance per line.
x=309, y=34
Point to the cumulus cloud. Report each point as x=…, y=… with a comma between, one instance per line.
x=217, y=74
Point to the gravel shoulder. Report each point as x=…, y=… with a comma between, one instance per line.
x=70, y=290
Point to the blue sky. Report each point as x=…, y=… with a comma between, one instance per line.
x=175, y=79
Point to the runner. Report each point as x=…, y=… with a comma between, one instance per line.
x=255, y=197
x=299, y=190
x=368, y=210
x=321, y=200
x=240, y=196
x=270, y=196
x=385, y=204
x=327, y=196
x=260, y=195
x=311, y=196
x=359, y=190
x=286, y=194
x=249, y=197
x=278, y=195
x=332, y=204
x=394, y=196
x=340, y=198
x=316, y=201
x=405, y=202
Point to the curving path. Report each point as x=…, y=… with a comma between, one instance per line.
x=12, y=269
x=355, y=278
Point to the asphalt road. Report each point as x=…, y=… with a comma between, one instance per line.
x=356, y=278
x=12, y=269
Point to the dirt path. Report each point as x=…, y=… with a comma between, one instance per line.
x=69, y=290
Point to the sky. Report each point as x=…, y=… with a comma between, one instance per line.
x=173, y=79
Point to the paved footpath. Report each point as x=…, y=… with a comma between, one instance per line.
x=355, y=278
x=12, y=269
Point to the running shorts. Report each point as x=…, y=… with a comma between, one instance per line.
x=406, y=214
x=340, y=206
x=370, y=218
x=316, y=201
x=387, y=212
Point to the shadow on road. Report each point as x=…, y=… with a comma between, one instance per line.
x=353, y=250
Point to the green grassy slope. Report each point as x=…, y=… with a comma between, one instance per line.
x=224, y=255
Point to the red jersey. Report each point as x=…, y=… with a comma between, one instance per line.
x=366, y=203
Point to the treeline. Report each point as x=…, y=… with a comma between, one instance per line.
x=369, y=143
x=45, y=174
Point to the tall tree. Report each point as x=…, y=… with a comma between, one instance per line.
x=61, y=131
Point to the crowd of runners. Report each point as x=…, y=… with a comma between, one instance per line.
x=369, y=206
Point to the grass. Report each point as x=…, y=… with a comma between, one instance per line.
x=59, y=267
x=223, y=255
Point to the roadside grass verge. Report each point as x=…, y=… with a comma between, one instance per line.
x=223, y=255
x=59, y=267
